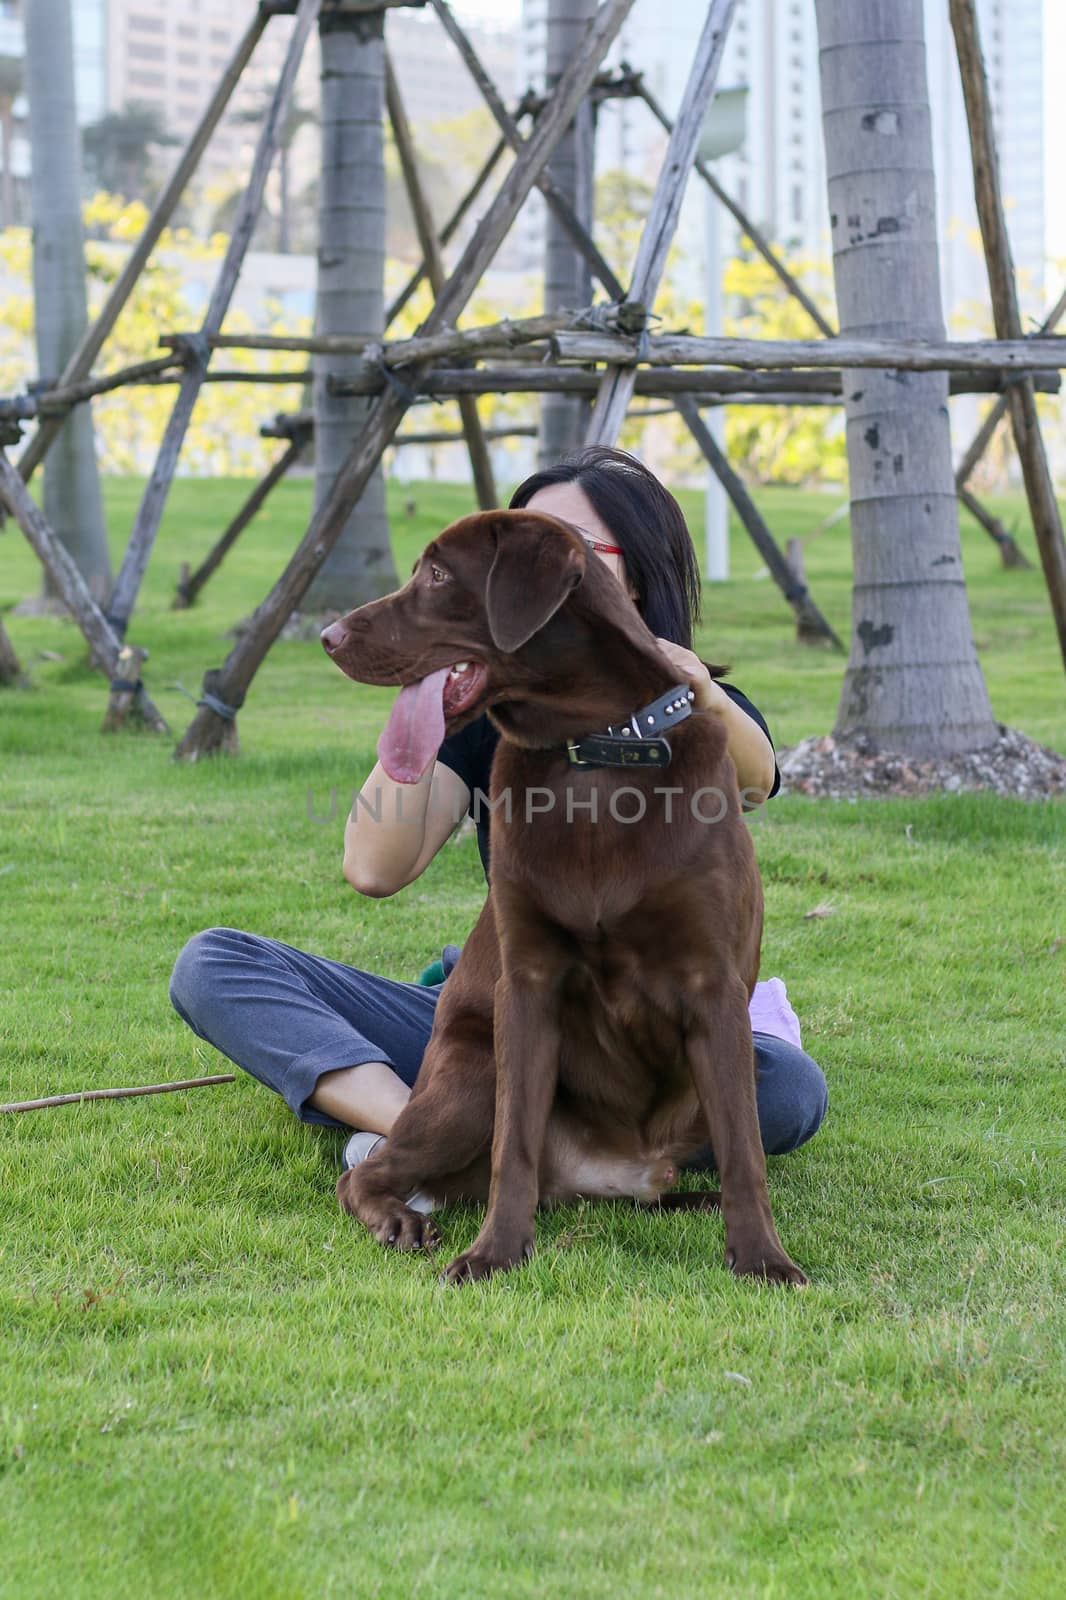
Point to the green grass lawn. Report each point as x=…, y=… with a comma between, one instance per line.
x=213, y=1384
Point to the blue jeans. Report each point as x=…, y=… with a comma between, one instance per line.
x=287, y=1017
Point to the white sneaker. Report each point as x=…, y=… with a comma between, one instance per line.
x=361, y=1145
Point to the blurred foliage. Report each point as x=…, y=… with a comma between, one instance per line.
x=794, y=445
x=223, y=436
x=119, y=150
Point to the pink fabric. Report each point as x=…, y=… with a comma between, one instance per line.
x=771, y=1012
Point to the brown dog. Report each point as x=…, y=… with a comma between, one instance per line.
x=595, y=1030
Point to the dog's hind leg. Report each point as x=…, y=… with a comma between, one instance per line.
x=439, y=1143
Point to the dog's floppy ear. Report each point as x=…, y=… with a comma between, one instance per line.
x=538, y=563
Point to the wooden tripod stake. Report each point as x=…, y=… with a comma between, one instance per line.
x=1021, y=399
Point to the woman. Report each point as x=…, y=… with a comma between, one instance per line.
x=344, y=1046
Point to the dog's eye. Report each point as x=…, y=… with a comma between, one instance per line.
x=438, y=574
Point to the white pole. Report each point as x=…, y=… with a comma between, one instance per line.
x=716, y=506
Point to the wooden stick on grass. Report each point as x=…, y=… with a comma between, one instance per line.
x=116, y=1094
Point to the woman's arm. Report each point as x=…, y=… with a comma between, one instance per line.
x=752, y=752
x=395, y=829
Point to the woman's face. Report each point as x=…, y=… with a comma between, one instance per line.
x=570, y=503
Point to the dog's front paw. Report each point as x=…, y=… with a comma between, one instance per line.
x=483, y=1259
x=764, y=1259
x=388, y=1219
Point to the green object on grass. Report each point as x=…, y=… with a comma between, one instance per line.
x=432, y=975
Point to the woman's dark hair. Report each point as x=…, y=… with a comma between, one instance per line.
x=647, y=523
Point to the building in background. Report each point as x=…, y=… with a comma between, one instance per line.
x=14, y=145
x=89, y=19
x=436, y=85
x=779, y=174
x=171, y=57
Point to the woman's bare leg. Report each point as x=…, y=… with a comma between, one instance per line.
x=369, y=1096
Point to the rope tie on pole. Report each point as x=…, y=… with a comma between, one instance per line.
x=212, y=701
x=403, y=390
x=192, y=350
x=219, y=707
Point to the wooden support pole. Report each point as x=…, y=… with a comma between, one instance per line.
x=983, y=437
x=555, y=197
x=1004, y=356
x=1008, y=549
x=477, y=449
x=1000, y=356
x=747, y=226
x=492, y=161
x=616, y=385
x=105, y=648
x=621, y=85
x=11, y=673
x=81, y=361
x=794, y=556
x=351, y=8
x=58, y=401
x=810, y=622
x=708, y=384
x=283, y=427
x=191, y=584
x=212, y=729
x=423, y=347
x=150, y=510
x=167, y=369
x=1040, y=491
x=1012, y=555
x=455, y=435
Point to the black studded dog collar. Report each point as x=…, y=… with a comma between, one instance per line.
x=638, y=741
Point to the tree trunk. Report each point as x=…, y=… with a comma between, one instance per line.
x=72, y=503
x=351, y=298
x=567, y=280
x=913, y=681
x=7, y=176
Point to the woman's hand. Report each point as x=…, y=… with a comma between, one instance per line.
x=707, y=695
x=752, y=752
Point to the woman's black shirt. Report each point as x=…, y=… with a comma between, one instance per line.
x=469, y=754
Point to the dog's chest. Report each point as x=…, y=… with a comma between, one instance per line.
x=621, y=1028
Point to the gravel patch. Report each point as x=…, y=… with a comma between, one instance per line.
x=836, y=768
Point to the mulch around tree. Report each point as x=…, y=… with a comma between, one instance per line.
x=845, y=769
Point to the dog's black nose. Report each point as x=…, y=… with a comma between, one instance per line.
x=333, y=637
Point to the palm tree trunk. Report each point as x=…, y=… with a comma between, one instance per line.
x=7, y=177
x=913, y=682
x=567, y=281
x=351, y=299
x=72, y=503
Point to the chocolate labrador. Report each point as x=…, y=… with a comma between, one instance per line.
x=594, y=1032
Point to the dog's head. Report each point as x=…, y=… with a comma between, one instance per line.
x=479, y=622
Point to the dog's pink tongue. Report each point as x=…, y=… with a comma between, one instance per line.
x=412, y=736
